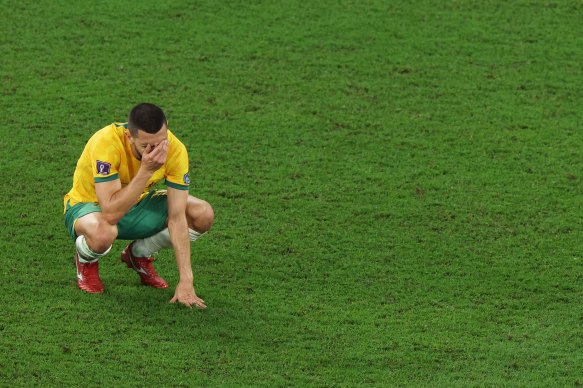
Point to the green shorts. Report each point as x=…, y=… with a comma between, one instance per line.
x=145, y=219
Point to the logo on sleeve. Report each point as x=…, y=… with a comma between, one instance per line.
x=103, y=168
x=186, y=179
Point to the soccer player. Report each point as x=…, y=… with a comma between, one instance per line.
x=112, y=198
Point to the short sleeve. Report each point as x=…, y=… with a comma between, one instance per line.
x=105, y=160
x=177, y=166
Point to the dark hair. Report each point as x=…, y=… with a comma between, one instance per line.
x=147, y=117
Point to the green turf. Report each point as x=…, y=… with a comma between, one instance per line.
x=396, y=184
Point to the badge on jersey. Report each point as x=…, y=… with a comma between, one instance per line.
x=186, y=179
x=103, y=168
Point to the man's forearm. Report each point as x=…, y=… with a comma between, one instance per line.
x=123, y=200
x=179, y=236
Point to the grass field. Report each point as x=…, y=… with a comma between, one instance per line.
x=397, y=188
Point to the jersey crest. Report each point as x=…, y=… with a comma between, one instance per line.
x=103, y=168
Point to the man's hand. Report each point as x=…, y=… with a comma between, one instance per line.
x=154, y=158
x=185, y=294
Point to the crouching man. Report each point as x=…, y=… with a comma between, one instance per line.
x=112, y=198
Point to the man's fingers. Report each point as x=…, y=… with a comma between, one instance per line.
x=187, y=297
x=160, y=152
x=200, y=303
x=163, y=149
x=175, y=299
x=154, y=151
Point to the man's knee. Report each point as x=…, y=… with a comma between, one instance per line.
x=98, y=233
x=200, y=214
x=209, y=215
x=103, y=237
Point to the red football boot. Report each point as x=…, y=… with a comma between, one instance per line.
x=88, y=276
x=143, y=266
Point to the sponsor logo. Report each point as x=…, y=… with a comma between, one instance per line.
x=79, y=274
x=186, y=179
x=138, y=269
x=103, y=168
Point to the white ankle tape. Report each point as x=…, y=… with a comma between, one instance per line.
x=84, y=261
x=86, y=254
x=194, y=235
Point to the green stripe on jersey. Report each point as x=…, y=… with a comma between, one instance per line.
x=176, y=185
x=107, y=178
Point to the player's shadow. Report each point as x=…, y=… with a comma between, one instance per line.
x=148, y=307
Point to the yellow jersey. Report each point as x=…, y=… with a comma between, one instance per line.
x=108, y=156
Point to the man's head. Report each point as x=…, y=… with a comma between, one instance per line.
x=147, y=125
x=146, y=117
